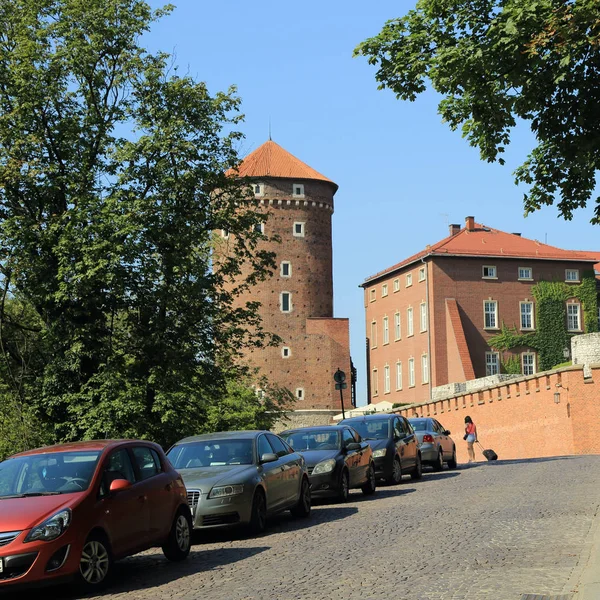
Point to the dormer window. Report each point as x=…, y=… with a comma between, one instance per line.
x=298, y=190
x=259, y=189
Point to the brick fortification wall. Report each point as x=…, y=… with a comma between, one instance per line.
x=555, y=413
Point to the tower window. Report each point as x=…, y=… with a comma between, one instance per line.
x=298, y=229
x=259, y=189
x=298, y=190
x=299, y=393
x=225, y=233
x=259, y=228
x=286, y=269
x=285, y=302
x=286, y=352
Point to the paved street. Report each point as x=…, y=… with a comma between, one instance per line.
x=489, y=532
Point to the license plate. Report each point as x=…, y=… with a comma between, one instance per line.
x=1, y=565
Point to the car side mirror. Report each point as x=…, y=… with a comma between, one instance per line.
x=118, y=485
x=447, y=432
x=353, y=446
x=268, y=457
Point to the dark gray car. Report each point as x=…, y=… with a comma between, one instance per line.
x=394, y=443
x=337, y=460
x=241, y=477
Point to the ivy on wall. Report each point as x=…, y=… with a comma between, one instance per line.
x=551, y=336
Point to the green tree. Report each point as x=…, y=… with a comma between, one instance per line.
x=497, y=61
x=112, y=184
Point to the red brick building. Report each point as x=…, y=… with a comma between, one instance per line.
x=429, y=317
x=297, y=301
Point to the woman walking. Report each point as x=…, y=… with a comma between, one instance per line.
x=471, y=437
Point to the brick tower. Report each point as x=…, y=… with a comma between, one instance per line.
x=297, y=301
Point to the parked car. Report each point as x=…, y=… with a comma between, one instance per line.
x=437, y=447
x=394, y=443
x=72, y=509
x=241, y=477
x=337, y=459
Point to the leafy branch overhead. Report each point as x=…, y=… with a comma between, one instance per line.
x=500, y=61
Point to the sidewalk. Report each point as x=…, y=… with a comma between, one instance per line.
x=585, y=582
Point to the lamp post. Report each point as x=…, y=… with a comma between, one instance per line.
x=340, y=377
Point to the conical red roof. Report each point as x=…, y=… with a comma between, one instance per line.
x=271, y=160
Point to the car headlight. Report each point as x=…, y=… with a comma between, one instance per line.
x=51, y=528
x=226, y=490
x=379, y=453
x=325, y=466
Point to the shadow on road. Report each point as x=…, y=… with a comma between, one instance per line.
x=385, y=492
x=437, y=475
x=516, y=461
x=145, y=571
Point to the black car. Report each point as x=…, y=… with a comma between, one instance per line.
x=337, y=459
x=394, y=443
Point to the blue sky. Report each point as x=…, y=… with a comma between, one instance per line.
x=403, y=175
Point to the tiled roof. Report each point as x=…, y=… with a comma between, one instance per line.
x=271, y=160
x=486, y=241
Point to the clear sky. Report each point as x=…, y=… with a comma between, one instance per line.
x=403, y=175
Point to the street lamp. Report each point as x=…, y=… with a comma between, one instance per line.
x=340, y=377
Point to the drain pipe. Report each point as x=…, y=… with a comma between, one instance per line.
x=430, y=384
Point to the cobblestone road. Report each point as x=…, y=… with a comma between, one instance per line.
x=493, y=531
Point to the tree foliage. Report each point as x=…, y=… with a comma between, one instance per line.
x=115, y=318
x=497, y=61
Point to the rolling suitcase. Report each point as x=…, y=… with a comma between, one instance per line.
x=489, y=454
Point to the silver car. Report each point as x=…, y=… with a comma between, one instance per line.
x=437, y=447
x=241, y=477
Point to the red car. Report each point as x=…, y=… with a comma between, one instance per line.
x=72, y=509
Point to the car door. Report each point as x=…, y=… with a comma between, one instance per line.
x=352, y=458
x=271, y=474
x=125, y=513
x=365, y=455
x=445, y=441
x=410, y=443
x=290, y=470
x=156, y=486
x=399, y=435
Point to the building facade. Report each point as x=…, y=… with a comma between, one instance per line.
x=429, y=318
x=296, y=303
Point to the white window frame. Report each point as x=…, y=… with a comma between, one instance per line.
x=572, y=276
x=411, y=372
x=302, y=229
x=423, y=316
x=399, y=375
x=261, y=228
x=523, y=276
x=300, y=393
x=408, y=279
x=577, y=315
x=532, y=366
x=261, y=189
x=225, y=234
x=386, y=330
x=384, y=290
x=424, y=368
x=492, y=365
x=386, y=379
x=410, y=329
x=290, y=305
x=373, y=333
x=523, y=314
x=375, y=382
x=286, y=352
x=495, y=313
x=289, y=264
x=396, y=285
x=488, y=276
x=398, y=327
x=372, y=295
x=422, y=274
x=295, y=193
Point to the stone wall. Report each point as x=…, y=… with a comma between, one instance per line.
x=304, y=418
x=585, y=350
x=452, y=389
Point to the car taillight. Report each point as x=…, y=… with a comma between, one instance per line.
x=428, y=439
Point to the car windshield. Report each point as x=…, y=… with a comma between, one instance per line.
x=45, y=474
x=372, y=429
x=212, y=453
x=420, y=424
x=318, y=439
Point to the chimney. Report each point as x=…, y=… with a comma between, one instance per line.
x=454, y=229
x=470, y=223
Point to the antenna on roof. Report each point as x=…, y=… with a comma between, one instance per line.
x=270, y=139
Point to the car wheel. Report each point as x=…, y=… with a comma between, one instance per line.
x=418, y=470
x=258, y=518
x=344, y=490
x=396, y=477
x=438, y=465
x=452, y=464
x=95, y=563
x=369, y=487
x=302, y=507
x=179, y=542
